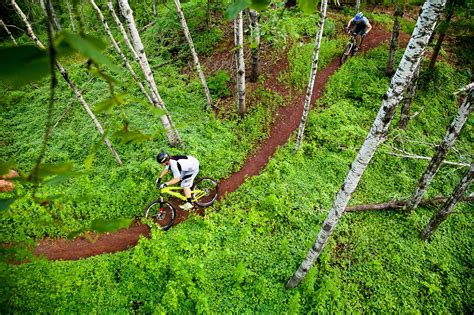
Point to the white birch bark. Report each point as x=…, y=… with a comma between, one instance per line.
x=55, y=18
x=418, y=42
x=357, y=7
x=448, y=207
x=448, y=141
x=70, y=15
x=408, y=99
x=119, y=51
x=193, y=52
x=239, y=39
x=123, y=31
x=65, y=75
x=312, y=75
x=8, y=32
x=393, y=42
x=171, y=132
x=255, y=43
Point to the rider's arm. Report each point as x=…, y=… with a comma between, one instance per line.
x=173, y=181
x=165, y=171
x=369, y=27
x=349, y=24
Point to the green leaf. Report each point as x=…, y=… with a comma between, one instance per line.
x=129, y=136
x=88, y=46
x=89, y=160
x=101, y=75
x=6, y=202
x=54, y=169
x=5, y=167
x=107, y=104
x=259, y=5
x=157, y=111
x=73, y=234
x=59, y=179
x=308, y=6
x=234, y=9
x=20, y=65
x=110, y=225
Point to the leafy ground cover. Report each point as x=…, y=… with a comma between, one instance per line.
x=238, y=257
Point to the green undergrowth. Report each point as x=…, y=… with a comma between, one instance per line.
x=238, y=257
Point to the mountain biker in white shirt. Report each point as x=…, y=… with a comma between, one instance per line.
x=184, y=169
x=360, y=27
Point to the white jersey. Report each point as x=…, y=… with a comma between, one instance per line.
x=184, y=167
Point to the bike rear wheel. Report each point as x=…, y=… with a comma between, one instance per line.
x=209, y=191
x=347, y=52
x=162, y=214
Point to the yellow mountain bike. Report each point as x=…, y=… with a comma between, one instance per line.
x=204, y=193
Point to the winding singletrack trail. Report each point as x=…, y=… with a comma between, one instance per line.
x=286, y=120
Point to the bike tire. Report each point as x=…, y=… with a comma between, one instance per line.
x=211, y=187
x=346, y=53
x=164, y=220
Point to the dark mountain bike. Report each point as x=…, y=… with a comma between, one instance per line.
x=351, y=47
x=204, y=193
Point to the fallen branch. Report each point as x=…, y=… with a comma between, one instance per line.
x=399, y=204
x=412, y=156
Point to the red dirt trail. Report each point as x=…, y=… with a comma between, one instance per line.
x=286, y=120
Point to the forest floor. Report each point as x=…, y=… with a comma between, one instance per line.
x=286, y=120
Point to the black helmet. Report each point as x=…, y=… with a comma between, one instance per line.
x=162, y=157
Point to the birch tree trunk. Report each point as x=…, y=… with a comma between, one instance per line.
x=70, y=15
x=423, y=29
x=448, y=141
x=357, y=7
x=123, y=31
x=193, y=52
x=408, y=99
x=447, y=209
x=312, y=75
x=119, y=51
x=171, y=132
x=55, y=18
x=8, y=32
x=442, y=35
x=393, y=42
x=255, y=43
x=239, y=41
x=65, y=75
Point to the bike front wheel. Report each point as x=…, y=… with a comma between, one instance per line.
x=346, y=53
x=161, y=213
x=206, y=191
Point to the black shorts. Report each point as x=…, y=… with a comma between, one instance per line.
x=359, y=29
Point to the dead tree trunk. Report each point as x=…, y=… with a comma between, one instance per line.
x=408, y=99
x=65, y=75
x=442, y=35
x=70, y=15
x=448, y=141
x=239, y=51
x=312, y=75
x=357, y=6
x=393, y=42
x=55, y=18
x=193, y=52
x=171, y=132
x=255, y=43
x=447, y=209
x=119, y=51
x=8, y=32
x=424, y=26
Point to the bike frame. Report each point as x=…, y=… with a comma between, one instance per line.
x=172, y=191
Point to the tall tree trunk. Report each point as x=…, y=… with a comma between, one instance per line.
x=424, y=26
x=312, y=75
x=123, y=31
x=442, y=35
x=119, y=51
x=255, y=43
x=155, y=9
x=239, y=43
x=393, y=42
x=448, y=141
x=55, y=18
x=408, y=99
x=65, y=75
x=171, y=132
x=447, y=209
x=193, y=52
x=70, y=15
x=357, y=6
x=8, y=32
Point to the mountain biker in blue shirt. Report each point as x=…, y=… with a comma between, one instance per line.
x=184, y=169
x=360, y=27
